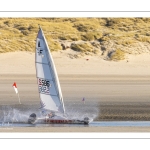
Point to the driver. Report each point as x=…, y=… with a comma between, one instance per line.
x=51, y=115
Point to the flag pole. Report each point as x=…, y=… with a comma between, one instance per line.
x=18, y=98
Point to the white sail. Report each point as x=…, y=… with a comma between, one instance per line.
x=48, y=83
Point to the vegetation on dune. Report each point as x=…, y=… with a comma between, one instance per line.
x=117, y=55
x=90, y=36
x=87, y=25
x=82, y=47
x=19, y=34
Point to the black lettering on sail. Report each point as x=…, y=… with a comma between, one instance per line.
x=38, y=43
x=40, y=51
x=44, y=86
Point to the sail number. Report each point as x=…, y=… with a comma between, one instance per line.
x=44, y=86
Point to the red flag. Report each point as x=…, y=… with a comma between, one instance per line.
x=15, y=87
x=15, y=84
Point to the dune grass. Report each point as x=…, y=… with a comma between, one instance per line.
x=117, y=55
x=19, y=34
x=82, y=47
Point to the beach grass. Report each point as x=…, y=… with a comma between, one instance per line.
x=19, y=34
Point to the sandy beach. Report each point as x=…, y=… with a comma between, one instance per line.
x=24, y=63
x=114, y=90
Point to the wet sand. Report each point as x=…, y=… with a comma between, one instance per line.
x=75, y=129
x=112, y=97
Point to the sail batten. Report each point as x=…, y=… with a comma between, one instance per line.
x=48, y=83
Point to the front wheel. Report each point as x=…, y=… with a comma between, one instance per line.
x=32, y=118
